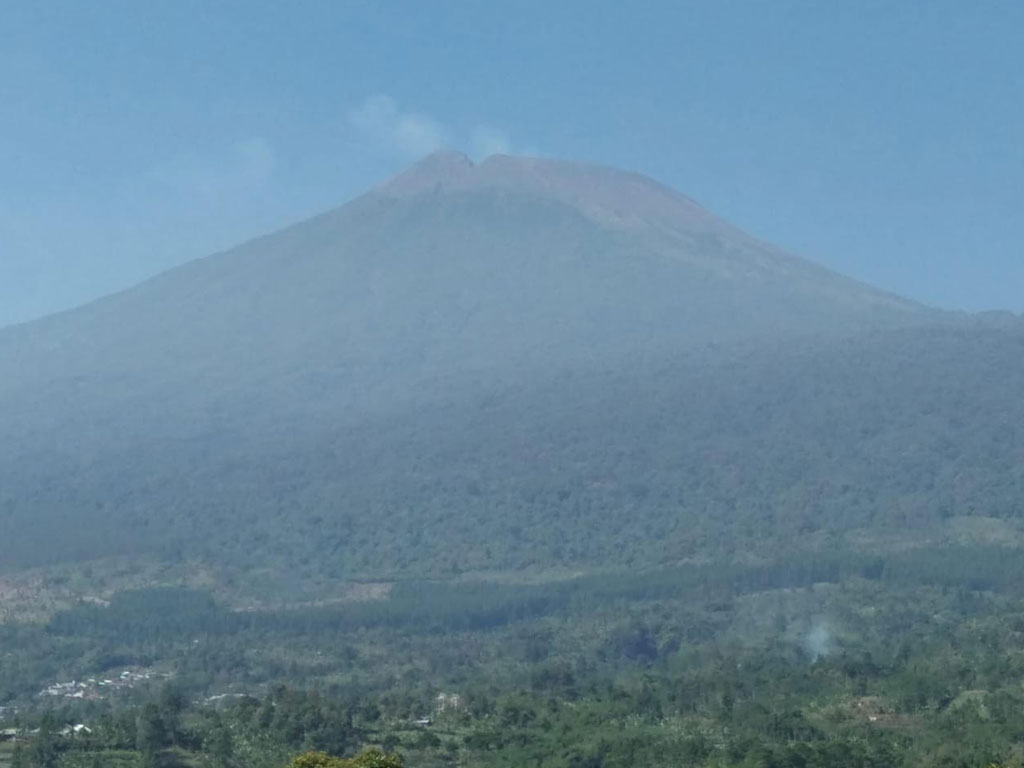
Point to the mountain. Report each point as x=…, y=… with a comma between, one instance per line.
x=524, y=362
x=452, y=267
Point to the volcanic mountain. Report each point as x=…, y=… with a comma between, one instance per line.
x=447, y=269
x=441, y=370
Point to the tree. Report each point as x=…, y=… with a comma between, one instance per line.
x=221, y=745
x=171, y=704
x=18, y=757
x=370, y=758
x=150, y=734
x=43, y=751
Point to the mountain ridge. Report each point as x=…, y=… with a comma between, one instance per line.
x=609, y=195
x=563, y=181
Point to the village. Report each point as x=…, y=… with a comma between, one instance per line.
x=95, y=689
x=66, y=731
x=91, y=689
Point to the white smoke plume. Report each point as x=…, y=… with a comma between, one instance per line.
x=818, y=641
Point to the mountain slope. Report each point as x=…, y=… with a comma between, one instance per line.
x=230, y=408
x=452, y=266
x=881, y=441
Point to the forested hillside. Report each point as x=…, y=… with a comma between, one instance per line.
x=520, y=363
x=876, y=441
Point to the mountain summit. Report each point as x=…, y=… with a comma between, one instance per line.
x=625, y=202
x=606, y=194
x=514, y=262
x=442, y=286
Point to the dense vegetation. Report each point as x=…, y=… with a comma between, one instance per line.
x=549, y=469
x=906, y=659
x=311, y=399
x=865, y=443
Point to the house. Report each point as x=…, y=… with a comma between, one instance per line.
x=447, y=701
x=75, y=730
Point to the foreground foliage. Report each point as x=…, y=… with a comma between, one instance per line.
x=837, y=661
x=371, y=758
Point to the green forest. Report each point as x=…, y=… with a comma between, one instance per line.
x=867, y=443
x=806, y=556
x=909, y=659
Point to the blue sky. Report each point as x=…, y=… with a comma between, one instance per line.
x=884, y=138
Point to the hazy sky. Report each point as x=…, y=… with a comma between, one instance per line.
x=883, y=138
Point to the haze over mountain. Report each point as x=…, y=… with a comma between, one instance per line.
x=527, y=346
x=451, y=267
